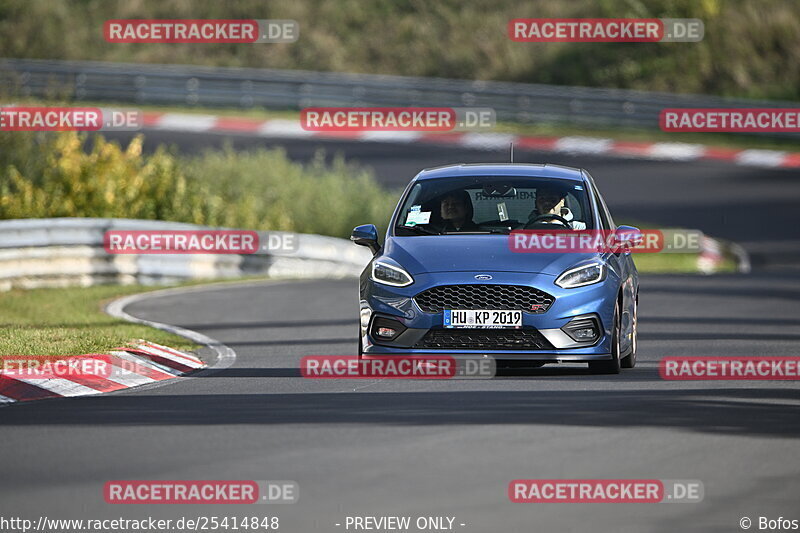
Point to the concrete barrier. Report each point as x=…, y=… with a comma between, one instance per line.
x=59, y=252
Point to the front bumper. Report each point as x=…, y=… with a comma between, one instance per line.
x=398, y=303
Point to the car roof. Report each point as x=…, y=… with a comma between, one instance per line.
x=502, y=169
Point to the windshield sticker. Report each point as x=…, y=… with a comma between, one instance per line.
x=417, y=217
x=416, y=207
x=502, y=211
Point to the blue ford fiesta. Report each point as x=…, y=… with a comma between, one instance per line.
x=446, y=280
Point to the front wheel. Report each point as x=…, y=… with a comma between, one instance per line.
x=630, y=359
x=612, y=365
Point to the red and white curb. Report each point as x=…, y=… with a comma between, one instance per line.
x=668, y=151
x=711, y=256
x=713, y=252
x=139, y=363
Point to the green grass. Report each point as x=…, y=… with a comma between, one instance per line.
x=675, y=264
x=71, y=321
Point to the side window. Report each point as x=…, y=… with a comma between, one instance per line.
x=607, y=213
x=601, y=209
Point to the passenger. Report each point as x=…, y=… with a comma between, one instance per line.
x=457, y=212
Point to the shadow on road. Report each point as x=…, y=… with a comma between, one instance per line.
x=763, y=411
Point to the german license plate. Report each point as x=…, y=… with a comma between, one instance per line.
x=486, y=319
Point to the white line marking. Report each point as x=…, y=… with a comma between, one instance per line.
x=176, y=353
x=59, y=386
x=127, y=378
x=183, y=122
x=225, y=355
x=676, y=151
x=487, y=141
x=171, y=356
x=760, y=158
x=391, y=136
x=143, y=361
x=284, y=128
x=583, y=145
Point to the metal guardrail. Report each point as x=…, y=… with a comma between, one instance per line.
x=58, y=252
x=296, y=89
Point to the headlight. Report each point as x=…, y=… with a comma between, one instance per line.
x=582, y=275
x=390, y=275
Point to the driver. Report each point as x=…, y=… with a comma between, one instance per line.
x=551, y=201
x=456, y=212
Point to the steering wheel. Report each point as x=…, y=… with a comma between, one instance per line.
x=561, y=220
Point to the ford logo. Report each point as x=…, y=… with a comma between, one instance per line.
x=483, y=277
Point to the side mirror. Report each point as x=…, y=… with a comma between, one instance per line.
x=366, y=235
x=628, y=236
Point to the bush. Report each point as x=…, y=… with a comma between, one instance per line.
x=53, y=175
x=271, y=192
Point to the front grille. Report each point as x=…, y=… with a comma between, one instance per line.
x=485, y=339
x=505, y=297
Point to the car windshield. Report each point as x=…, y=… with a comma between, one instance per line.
x=493, y=204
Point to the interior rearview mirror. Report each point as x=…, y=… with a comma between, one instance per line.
x=499, y=190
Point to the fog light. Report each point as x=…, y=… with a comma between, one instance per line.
x=386, y=333
x=386, y=330
x=583, y=329
x=585, y=334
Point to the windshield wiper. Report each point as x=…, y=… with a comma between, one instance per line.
x=425, y=231
x=421, y=230
x=501, y=231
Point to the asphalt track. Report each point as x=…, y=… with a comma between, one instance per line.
x=451, y=447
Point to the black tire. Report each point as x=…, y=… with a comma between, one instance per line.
x=609, y=366
x=630, y=360
x=360, y=344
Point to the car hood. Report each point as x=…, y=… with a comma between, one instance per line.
x=474, y=253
